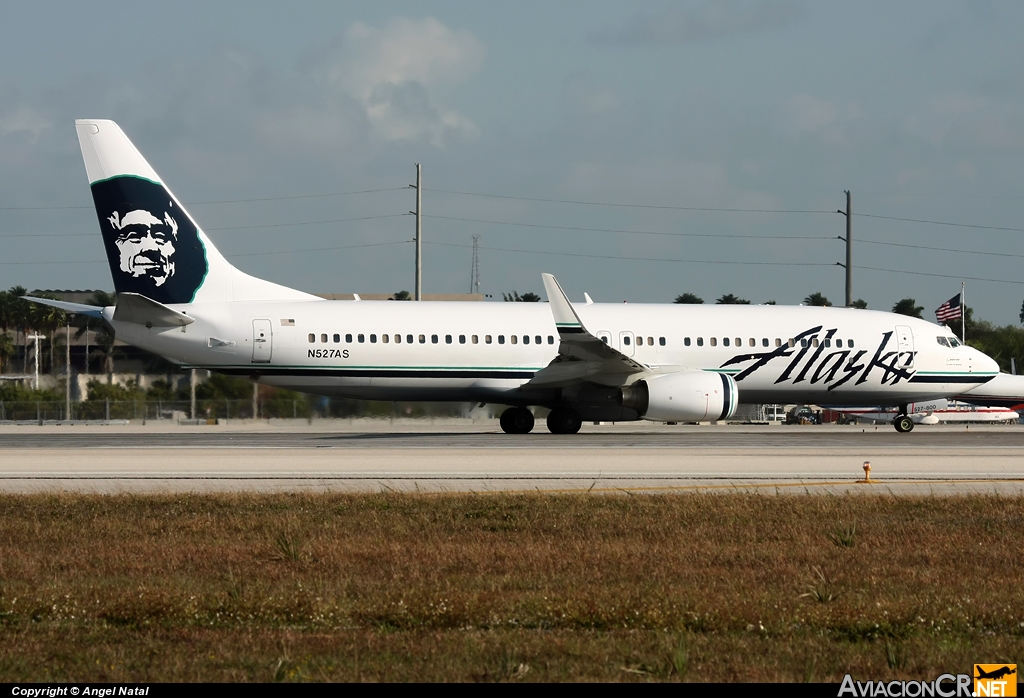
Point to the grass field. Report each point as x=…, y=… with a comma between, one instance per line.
x=501, y=587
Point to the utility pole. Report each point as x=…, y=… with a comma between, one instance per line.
x=36, y=337
x=419, y=233
x=849, y=250
x=67, y=371
x=474, y=273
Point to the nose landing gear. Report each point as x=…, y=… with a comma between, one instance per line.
x=903, y=423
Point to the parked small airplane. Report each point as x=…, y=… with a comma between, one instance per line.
x=938, y=412
x=178, y=297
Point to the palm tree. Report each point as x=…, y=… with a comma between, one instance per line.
x=908, y=307
x=19, y=318
x=689, y=299
x=729, y=299
x=817, y=299
x=86, y=324
x=46, y=319
x=6, y=348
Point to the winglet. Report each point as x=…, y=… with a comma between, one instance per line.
x=588, y=299
x=566, y=319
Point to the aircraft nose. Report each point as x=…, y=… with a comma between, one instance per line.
x=983, y=363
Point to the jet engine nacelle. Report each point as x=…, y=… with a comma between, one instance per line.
x=690, y=396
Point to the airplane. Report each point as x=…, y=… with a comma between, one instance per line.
x=938, y=412
x=178, y=297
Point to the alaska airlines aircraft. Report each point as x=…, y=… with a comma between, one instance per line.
x=178, y=297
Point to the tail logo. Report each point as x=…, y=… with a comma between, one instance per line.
x=152, y=245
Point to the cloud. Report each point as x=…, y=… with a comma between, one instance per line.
x=678, y=24
x=399, y=72
x=25, y=119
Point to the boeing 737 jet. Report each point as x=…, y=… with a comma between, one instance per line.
x=178, y=297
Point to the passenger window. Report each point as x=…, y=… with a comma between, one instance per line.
x=398, y=339
x=487, y=339
x=462, y=339
x=526, y=339
x=447, y=339
x=361, y=338
x=537, y=339
x=778, y=342
x=373, y=339
x=739, y=342
x=515, y=339
x=312, y=338
x=713, y=341
x=725, y=341
x=700, y=341
x=408, y=339
x=348, y=339
x=839, y=343
x=551, y=339
x=803, y=342
x=501, y=339
x=753, y=342
x=814, y=342
x=686, y=341
x=474, y=339
x=604, y=339
x=661, y=341
x=385, y=338
x=792, y=343
x=323, y=338
x=849, y=343
x=625, y=340
x=423, y=339
x=828, y=343
x=764, y=341
x=433, y=339
x=650, y=341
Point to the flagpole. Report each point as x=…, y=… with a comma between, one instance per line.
x=963, y=312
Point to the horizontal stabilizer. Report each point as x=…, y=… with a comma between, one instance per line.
x=136, y=308
x=75, y=308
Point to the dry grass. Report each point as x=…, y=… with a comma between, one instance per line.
x=507, y=588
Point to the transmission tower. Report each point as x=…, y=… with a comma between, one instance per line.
x=474, y=273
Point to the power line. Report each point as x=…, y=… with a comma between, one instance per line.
x=229, y=229
x=621, y=205
x=218, y=201
x=232, y=256
x=942, y=276
x=941, y=249
x=954, y=225
x=633, y=232
x=642, y=259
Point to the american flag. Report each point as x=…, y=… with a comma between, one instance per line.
x=950, y=310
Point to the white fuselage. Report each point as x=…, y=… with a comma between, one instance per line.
x=490, y=351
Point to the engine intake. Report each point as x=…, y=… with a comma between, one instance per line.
x=690, y=396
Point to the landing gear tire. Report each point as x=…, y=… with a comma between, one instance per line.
x=903, y=424
x=564, y=421
x=516, y=420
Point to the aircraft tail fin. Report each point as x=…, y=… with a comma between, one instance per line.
x=153, y=245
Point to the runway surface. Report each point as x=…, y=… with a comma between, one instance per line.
x=375, y=456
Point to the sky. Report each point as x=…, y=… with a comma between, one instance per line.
x=598, y=141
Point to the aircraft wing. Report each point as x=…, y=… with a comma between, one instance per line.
x=581, y=355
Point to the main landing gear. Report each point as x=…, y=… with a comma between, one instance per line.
x=561, y=420
x=516, y=420
x=903, y=423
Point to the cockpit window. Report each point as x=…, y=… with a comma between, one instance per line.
x=954, y=342
x=942, y=341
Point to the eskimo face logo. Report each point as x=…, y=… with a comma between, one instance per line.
x=146, y=244
x=152, y=245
